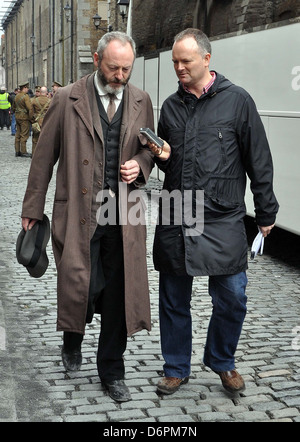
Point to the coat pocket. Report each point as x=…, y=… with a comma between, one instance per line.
x=169, y=250
x=59, y=224
x=212, y=146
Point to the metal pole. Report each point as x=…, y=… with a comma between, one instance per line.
x=33, y=38
x=72, y=41
x=53, y=40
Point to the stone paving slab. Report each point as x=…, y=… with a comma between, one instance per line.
x=34, y=386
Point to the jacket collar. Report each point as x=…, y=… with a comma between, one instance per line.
x=219, y=84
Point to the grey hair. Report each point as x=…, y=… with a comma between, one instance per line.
x=116, y=35
x=201, y=39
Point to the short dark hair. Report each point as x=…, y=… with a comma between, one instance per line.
x=201, y=39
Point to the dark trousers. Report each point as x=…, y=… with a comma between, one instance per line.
x=106, y=295
x=4, y=118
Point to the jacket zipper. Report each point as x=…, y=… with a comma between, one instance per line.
x=223, y=153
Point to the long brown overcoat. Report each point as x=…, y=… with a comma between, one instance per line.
x=71, y=134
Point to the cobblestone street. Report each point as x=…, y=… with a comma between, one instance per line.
x=34, y=386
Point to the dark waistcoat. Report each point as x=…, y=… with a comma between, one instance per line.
x=111, y=135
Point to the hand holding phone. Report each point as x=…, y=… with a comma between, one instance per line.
x=150, y=135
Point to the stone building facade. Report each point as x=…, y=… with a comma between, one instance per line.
x=42, y=44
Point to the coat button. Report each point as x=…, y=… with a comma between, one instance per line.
x=84, y=190
x=83, y=221
x=85, y=162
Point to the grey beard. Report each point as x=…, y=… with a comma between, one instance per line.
x=109, y=89
x=113, y=90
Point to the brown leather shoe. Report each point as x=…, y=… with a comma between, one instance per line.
x=168, y=385
x=232, y=381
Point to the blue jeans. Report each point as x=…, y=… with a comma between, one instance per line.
x=229, y=310
x=13, y=124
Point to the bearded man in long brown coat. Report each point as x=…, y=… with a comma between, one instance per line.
x=101, y=267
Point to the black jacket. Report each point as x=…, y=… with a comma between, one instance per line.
x=215, y=141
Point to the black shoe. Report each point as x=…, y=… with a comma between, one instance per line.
x=72, y=359
x=117, y=390
x=25, y=155
x=18, y=154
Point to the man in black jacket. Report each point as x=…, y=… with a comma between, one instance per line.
x=214, y=137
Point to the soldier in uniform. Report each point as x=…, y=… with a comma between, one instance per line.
x=40, y=106
x=22, y=107
x=37, y=92
x=56, y=85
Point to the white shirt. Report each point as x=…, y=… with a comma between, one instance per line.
x=104, y=95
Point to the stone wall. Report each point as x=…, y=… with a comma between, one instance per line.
x=156, y=22
x=62, y=50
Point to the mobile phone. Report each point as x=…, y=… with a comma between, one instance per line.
x=150, y=135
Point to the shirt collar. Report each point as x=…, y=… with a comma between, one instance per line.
x=210, y=83
x=207, y=86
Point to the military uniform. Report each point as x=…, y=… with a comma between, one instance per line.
x=39, y=104
x=56, y=85
x=37, y=91
x=22, y=107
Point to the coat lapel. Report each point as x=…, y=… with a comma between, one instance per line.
x=94, y=107
x=132, y=108
x=86, y=105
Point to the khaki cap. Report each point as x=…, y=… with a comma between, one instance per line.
x=26, y=84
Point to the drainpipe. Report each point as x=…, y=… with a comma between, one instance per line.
x=53, y=40
x=129, y=20
x=72, y=41
x=32, y=42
